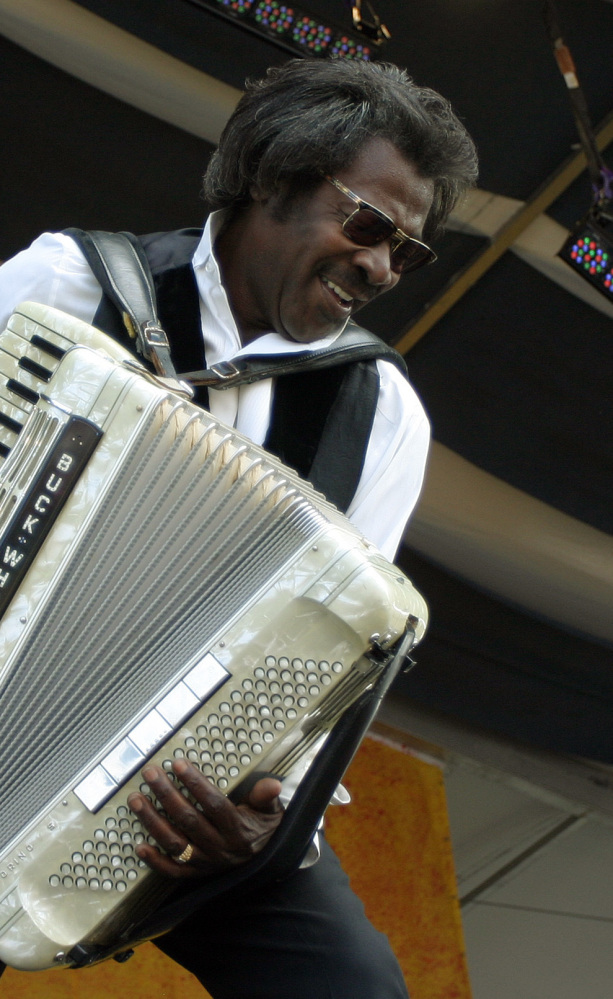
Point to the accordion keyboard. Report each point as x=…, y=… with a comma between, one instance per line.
x=167, y=589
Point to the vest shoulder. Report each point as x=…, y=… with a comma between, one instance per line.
x=354, y=336
x=169, y=250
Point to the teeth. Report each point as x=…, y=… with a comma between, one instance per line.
x=344, y=297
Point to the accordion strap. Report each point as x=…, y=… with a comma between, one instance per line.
x=120, y=265
x=122, y=270
x=353, y=345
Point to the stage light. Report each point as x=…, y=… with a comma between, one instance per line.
x=298, y=31
x=314, y=37
x=274, y=16
x=237, y=6
x=589, y=250
x=348, y=47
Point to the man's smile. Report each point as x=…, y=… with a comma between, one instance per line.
x=344, y=296
x=347, y=299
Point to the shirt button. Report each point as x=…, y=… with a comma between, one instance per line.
x=209, y=267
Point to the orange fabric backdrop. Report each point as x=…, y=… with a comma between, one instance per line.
x=394, y=843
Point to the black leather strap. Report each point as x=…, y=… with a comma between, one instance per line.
x=120, y=266
x=178, y=301
x=324, y=400
x=353, y=345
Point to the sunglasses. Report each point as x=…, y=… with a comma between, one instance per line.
x=367, y=226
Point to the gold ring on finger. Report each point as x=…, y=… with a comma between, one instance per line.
x=185, y=856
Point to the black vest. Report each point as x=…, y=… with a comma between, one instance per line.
x=321, y=421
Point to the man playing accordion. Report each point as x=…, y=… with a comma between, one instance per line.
x=327, y=178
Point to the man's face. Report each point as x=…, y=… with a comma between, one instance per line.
x=304, y=277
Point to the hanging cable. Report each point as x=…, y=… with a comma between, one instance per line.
x=589, y=248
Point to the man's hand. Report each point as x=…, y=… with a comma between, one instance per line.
x=221, y=834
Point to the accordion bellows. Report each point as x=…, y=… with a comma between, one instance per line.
x=167, y=588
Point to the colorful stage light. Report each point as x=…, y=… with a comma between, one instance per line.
x=237, y=6
x=274, y=16
x=589, y=251
x=350, y=48
x=294, y=28
x=313, y=36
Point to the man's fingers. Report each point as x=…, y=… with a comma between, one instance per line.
x=181, y=820
x=212, y=801
x=216, y=832
x=166, y=865
x=264, y=795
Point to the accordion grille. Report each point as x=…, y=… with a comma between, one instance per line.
x=192, y=525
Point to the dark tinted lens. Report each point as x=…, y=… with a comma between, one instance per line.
x=367, y=228
x=408, y=256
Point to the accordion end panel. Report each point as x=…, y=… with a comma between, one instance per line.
x=197, y=600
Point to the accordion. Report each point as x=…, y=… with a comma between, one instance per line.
x=167, y=589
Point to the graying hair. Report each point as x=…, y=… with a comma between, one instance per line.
x=312, y=117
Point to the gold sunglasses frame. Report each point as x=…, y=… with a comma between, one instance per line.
x=397, y=236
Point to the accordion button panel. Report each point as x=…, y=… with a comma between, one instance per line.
x=179, y=703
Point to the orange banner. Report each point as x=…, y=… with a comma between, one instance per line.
x=394, y=843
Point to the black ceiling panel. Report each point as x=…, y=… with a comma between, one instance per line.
x=516, y=378
x=508, y=672
x=491, y=58
x=80, y=157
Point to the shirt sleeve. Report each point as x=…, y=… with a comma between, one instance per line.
x=395, y=463
x=52, y=271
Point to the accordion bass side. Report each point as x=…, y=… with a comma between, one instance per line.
x=167, y=589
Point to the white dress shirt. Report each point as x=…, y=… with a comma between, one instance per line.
x=54, y=272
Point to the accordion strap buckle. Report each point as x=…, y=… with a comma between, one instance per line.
x=225, y=370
